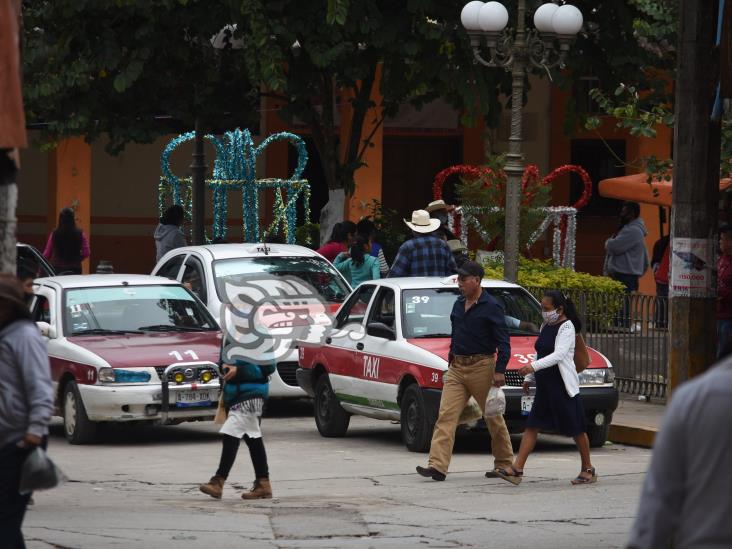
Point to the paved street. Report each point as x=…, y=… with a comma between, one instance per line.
x=137, y=488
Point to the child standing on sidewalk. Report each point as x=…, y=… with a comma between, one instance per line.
x=246, y=389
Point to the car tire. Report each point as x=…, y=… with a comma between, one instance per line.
x=416, y=424
x=330, y=418
x=597, y=434
x=78, y=428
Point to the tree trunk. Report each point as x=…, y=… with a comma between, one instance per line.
x=8, y=201
x=695, y=197
x=331, y=213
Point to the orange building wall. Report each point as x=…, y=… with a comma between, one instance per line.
x=69, y=184
x=594, y=230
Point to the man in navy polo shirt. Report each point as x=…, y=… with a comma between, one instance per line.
x=478, y=334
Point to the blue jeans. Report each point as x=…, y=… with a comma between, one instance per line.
x=724, y=337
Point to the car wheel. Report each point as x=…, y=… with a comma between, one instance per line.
x=416, y=425
x=77, y=426
x=331, y=419
x=598, y=433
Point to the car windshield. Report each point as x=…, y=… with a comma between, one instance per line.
x=426, y=312
x=314, y=271
x=131, y=309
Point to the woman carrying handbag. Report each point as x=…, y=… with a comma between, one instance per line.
x=557, y=406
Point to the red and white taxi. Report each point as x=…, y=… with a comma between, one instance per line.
x=388, y=354
x=127, y=348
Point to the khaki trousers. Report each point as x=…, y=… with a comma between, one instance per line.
x=466, y=377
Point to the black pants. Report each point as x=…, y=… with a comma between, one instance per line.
x=256, y=452
x=661, y=312
x=623, y=318
x=12, y=504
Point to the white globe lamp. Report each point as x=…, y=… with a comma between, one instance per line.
x=543, y=17
x=469, y=15
x=493, y=17
x=567, y=20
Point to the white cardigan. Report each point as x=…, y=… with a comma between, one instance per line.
x=563, y=356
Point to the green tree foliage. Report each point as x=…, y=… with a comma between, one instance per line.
x=131, y=69
x=640, y=108
x=305, y=53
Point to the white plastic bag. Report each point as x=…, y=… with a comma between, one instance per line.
x=39, y=473
x=495, y=404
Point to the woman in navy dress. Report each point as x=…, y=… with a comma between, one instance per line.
x=557, y=406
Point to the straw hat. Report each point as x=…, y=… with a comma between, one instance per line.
x=456, y=246
x=436, y=205
x=422, y=223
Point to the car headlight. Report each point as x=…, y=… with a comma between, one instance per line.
x=596, y=376
x=106, y=375
x=112, y=375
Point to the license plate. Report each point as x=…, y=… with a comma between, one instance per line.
x=193, y=398
x=526, y=403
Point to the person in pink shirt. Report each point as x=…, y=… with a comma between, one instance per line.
x=340, y=241
x=67, y=246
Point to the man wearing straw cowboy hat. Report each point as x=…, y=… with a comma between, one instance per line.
x=426, y=254
x=438, y=209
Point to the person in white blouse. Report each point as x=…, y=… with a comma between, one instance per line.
x=557, y=407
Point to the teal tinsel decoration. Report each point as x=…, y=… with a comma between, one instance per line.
x=235, y=169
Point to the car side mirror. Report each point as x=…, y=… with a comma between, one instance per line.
x=46, y=330
x=379, y=329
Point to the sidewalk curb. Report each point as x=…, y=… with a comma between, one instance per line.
x=632, y=435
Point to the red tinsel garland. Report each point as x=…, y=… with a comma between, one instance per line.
x=529, y=181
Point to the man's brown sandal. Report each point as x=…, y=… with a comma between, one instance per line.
x=584, y=480
x=514, y=477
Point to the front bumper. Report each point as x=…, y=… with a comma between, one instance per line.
x=136, y=402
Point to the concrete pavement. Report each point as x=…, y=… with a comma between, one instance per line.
x=137, y=488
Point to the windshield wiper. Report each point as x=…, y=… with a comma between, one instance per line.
x=169, y=328
x=92, y=331
x=426, y=336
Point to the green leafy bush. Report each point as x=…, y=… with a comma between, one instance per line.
x=308, y=235
x=391, y=231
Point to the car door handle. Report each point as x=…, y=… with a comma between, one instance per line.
x=359, y=346
x=328, y=340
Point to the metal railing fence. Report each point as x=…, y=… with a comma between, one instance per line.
x=631, y=330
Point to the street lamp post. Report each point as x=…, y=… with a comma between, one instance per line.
x=544, y=47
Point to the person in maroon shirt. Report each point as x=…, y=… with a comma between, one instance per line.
x=724, y=293
x=340, y=240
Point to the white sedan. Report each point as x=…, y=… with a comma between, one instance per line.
x=207, y=269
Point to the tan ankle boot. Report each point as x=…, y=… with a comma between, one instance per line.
x=262, y=489
x=214, y=487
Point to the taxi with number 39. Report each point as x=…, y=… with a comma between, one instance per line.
x=127, y=348
x=389, y=350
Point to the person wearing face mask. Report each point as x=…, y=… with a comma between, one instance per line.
x=557, y=406
x=438, y=209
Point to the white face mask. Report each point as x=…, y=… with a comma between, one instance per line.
x=550, y=317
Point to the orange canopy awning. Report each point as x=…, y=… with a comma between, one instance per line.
x=636, y=188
